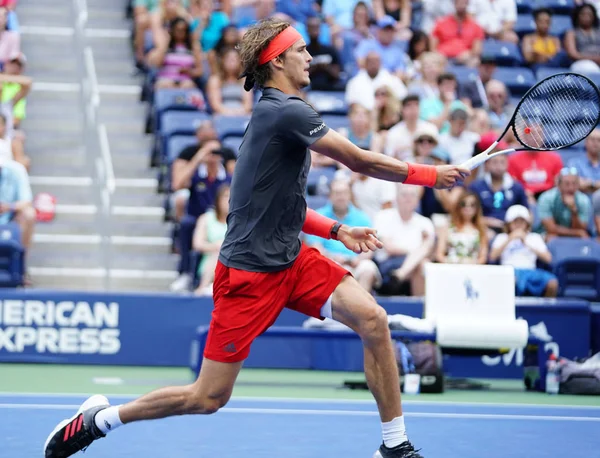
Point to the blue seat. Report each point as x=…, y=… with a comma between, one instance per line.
x=568, y=154
x=504, y=53
x=524, y=25
x=319, y=179
x=328, y=102
x=576, y=263
x=545, y=72
x=595, y=77
x=178, y=123
x=517, y=79
x=12, y=256
x=560, y=25
x=233, y=142
x=557, y=6
x=177, y=143
x=523, y=6
x=316, y=202
x=173, y=100
x=463, y=74
x=336, y=122
x=230, y=125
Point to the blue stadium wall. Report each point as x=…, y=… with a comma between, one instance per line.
x=39, y=326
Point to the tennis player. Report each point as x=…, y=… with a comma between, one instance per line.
x=263, y=267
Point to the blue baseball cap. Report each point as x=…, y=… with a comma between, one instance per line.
x=386, y=21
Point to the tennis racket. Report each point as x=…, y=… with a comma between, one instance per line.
x=556, y=113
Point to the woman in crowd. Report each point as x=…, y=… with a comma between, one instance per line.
x=432, y=65
x=361, y=131
x=208, y=237
x=541, y=48
x=521, y=248
x=179, y=60
x=464, y=240
x=225, y=89
x=229, y=39
x=582, y=43
x=162, y=18
x=387, y=110
x=400, y=10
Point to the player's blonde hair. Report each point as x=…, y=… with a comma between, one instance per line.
x=254, y=41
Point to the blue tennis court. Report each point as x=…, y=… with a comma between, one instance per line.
x=293, y=428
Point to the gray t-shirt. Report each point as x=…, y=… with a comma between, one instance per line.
x=267, y=207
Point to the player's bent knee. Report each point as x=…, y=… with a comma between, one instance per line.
x=375, y=323
x=201, y=404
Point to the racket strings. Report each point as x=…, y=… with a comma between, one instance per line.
x=559, y=112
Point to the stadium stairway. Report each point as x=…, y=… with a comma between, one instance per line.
x=99, y=240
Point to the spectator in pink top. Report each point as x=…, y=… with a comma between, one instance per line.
x=458, y=36
x=180, y=61
x=10, y=42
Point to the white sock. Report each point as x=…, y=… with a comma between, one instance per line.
x=108, y=419
x=394, y=432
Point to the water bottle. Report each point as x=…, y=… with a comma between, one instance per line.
x=552, y=375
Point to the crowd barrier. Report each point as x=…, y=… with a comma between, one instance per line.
x=39, y=326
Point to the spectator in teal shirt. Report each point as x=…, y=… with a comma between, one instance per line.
x=341, y=209
x=16, y=199
x=208, y=24
x=437, y=109
x=565, y=211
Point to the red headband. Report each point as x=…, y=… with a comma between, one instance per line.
x=279, y=44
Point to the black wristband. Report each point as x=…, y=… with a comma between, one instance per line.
x=334, y=230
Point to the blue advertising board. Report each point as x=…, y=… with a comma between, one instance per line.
x=157, y=330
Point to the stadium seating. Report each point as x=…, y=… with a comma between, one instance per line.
x=12, y=255
x=173, y=100
x=316, y=202
x=233, y=142
x=557, y=6
x=176, y=123
x=328, y=102
x=518, y=79
x=504, y=53
x=318, y=179
x=576, y=263
x=230, y=125
x=336, y=122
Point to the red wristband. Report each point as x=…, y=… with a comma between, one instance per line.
x=422, y=175
x=317, y=224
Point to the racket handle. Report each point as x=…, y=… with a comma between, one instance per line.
x=476, y=161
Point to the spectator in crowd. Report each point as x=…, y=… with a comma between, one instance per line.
x=588, y=165
x=229, y=39
x=387, y=110
x=207, y=22
x=225, y=89
x=464, y=240
x=474, y=90
x=341, y=209
x=12, y=21
x=408, y=239
x=202, y=184
x=434, y=10
x=458, y=141
x=541, y=48
x=436, y=109
x=11, y=89
x=437, y=203
x=360, y=30
x=521, y=249
x=141, y=18
x=426, y=138
x=393, y=57
x=361, y=88
x=188, y=161
x=339, y=13
x=458, y=36
x=16, y=199
x=179, y=60
x=499, y=108
x=16, y=137
x=497, y=190
x=325, y=66
x=400, y=11
x=418, y=45
x=246, y=12
x=399, y=141
x=480, y=122
x=10, y=42
x=564, y=210
x=372, y=195
x=496, y=17
x=161, y=19
x=208, y=237
x=361, y=131
x=431, y=65
x=582, y=43
x=535, y=170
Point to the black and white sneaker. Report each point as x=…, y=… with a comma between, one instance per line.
x=78, y=432
x=404, y=450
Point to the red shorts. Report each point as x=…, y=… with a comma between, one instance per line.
x=248, y=303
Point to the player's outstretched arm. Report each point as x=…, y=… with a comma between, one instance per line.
x=377, y=165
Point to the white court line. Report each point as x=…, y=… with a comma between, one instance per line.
x=345, y=413
x=113, y=89
x=276, y=400
x=69, y=31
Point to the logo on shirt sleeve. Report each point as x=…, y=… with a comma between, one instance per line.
x=317, y=129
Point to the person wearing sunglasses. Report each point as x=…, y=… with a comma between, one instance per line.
x=564, y=210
